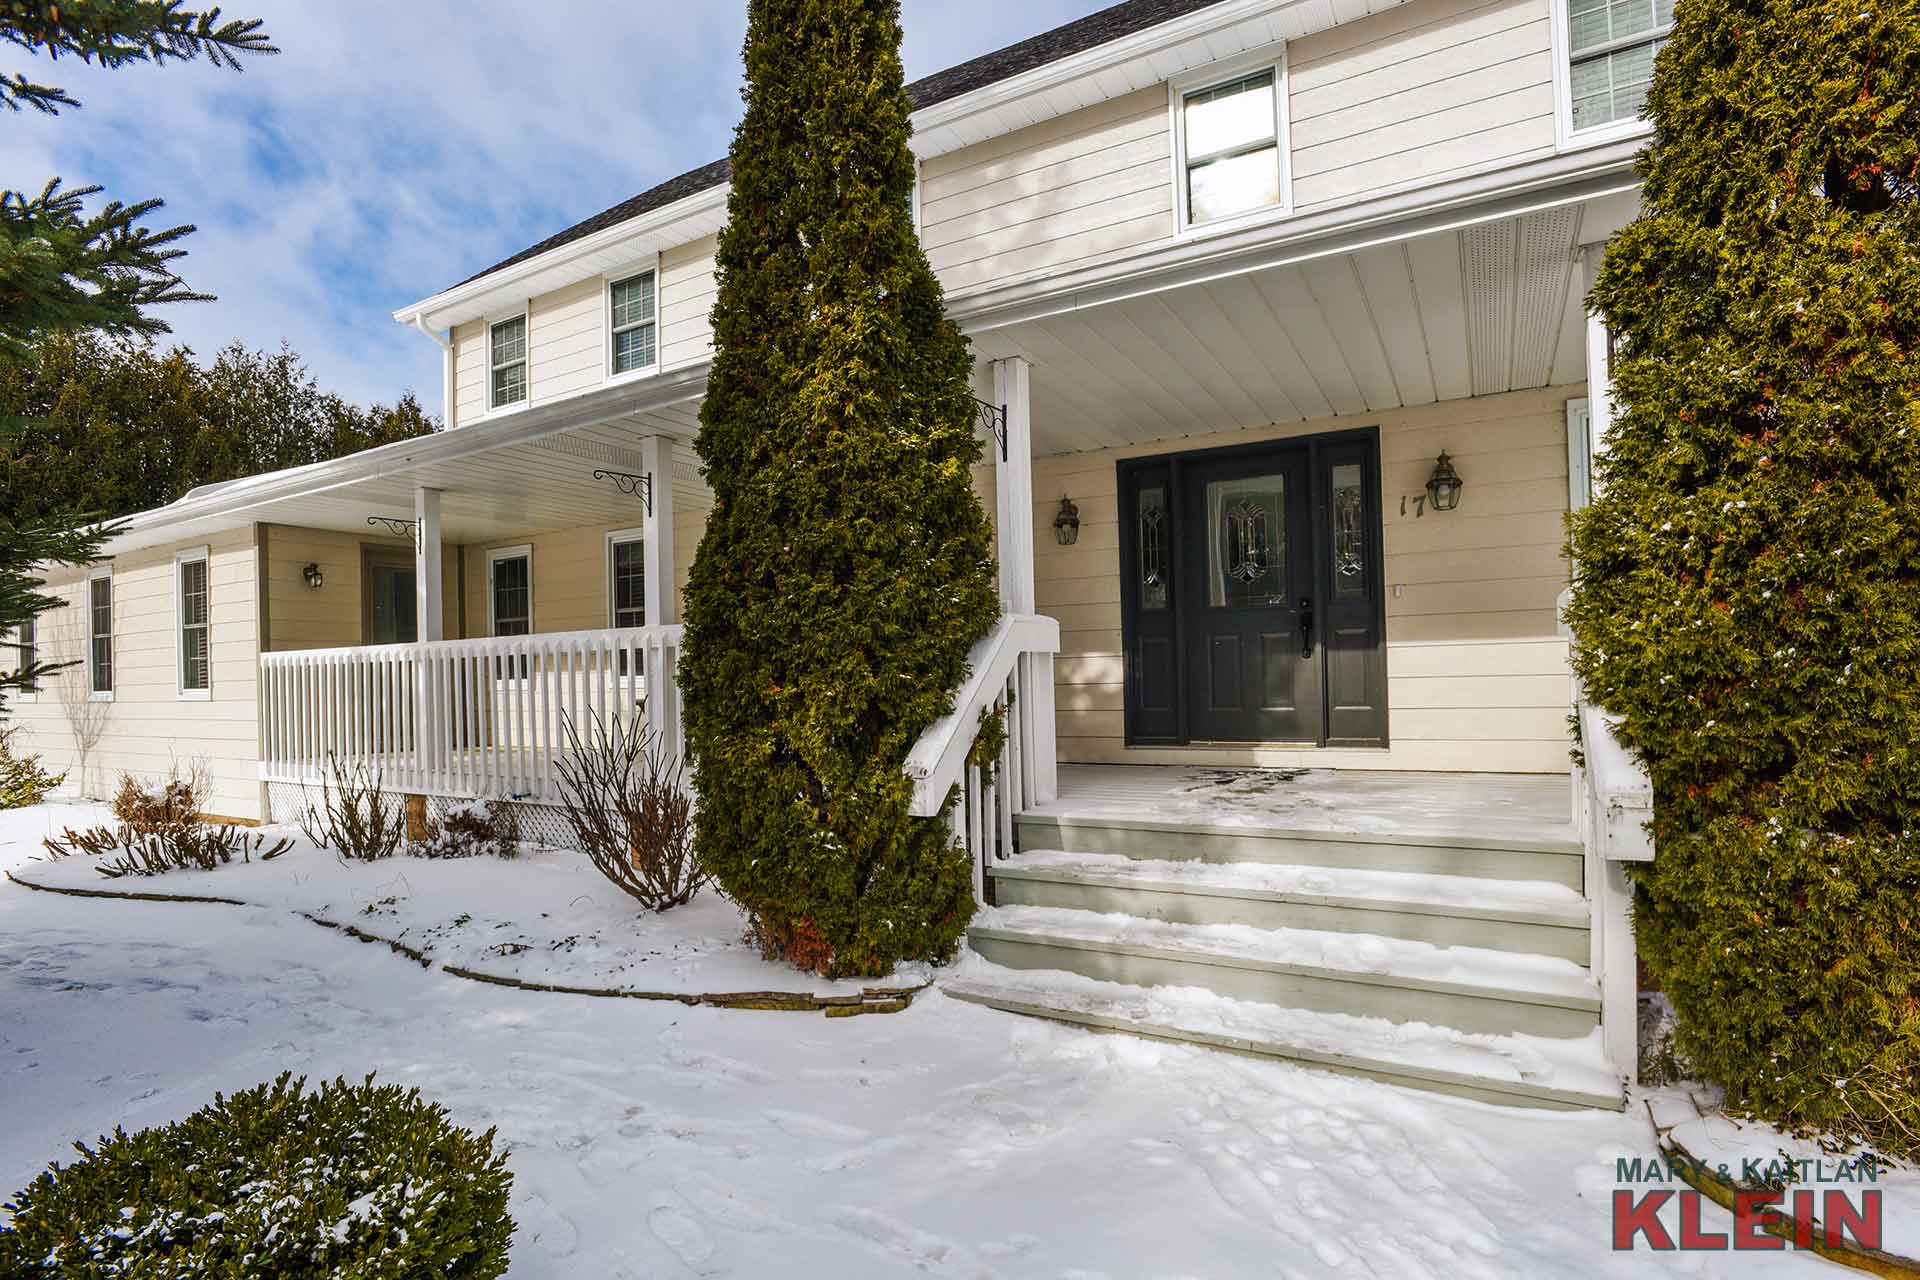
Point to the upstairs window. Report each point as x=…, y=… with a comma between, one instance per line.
x=635, y=323
x=1231, y=146
x=194, y=625
x=100, y=635
x=508, y=343
x=1610, y=47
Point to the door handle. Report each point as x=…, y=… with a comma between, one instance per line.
x=1306, y=627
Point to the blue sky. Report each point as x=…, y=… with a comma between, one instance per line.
x=394, y=148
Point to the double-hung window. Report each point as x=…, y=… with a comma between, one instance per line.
x=190, y=570
x=1230, y=146
x=26, y=648
x=635, y=323
x=626, y=580
x=100, y=634
x=1610, y=50
x=510, y=591
x=507, y=352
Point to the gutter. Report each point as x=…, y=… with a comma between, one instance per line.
x=446, y=367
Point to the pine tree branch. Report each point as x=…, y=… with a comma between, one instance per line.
x=114, y=33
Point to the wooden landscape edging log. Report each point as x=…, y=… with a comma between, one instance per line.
x=1778, y=1220
x=868, y=1000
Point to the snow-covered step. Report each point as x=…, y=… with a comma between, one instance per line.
x=1402, y=847
x=1467, y=988
x=1527, y=916
x=1513, y=1069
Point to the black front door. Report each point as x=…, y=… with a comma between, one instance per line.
x=1252, y=603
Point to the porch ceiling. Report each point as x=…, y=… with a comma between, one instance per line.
x=507, y=491
x=1487, y=308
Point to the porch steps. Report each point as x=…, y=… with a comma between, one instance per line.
x=1556, y=860
x=1524, y=916
x=1513, y=1070
x=1433, y=958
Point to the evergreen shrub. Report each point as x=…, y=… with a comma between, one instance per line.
x=365, y=1181
x=1748, y=593
x=846, y=568
x=23, y=779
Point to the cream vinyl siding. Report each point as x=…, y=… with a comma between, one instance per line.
x=1431, y=90
x=567, y=340
x=570, y=565
x=148, y=726
x=299, y=617
x=688, y=287
x=1094, y=184
x=470, y=358
x=1477, y=675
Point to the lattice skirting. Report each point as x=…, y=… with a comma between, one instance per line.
x=540, y=824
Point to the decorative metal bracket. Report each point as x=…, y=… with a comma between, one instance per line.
x=399, y=528
x=994, y=418
x=633, y=486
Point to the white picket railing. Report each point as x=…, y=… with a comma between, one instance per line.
x=1010, y=673
x=478, y=719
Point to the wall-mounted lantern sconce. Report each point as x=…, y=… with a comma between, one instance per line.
x=1445, y=485
x=1066, y=525
x=314, y=577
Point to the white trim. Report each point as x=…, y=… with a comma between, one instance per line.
x=1579, y=455
x=494, y=556
x=607, y=281
x=113, y=665
x=525, y=316
x=1565, y=136
x=185, y=556
x=615, y=537
x=1274, y=58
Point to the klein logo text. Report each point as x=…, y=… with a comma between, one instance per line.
x=1768, y=1219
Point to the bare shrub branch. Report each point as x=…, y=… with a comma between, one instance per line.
x=355, y=818
x=629, y=810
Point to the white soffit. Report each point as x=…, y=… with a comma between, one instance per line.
x=1218, y=33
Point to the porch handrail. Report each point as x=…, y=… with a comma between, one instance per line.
x=940, y=754
x=480, y=718
x=1009, y=672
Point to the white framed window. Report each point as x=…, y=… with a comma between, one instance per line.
x=627, y=578
x=1579, y=455
x=192, y=596
x=26, y=652
x=633, y=322
x=510, y=591
x=507, y=362
x=1603, y=63
x=1230, y=154
x=100, y=635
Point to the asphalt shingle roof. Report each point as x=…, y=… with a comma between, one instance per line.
x=1075, y=37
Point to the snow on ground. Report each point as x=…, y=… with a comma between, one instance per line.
x=547, y=916
x=656, y=1140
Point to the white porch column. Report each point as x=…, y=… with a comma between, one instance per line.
x=427, y=579
x=662, y=688
x=656, y=455
x=1613, y=953
x=1013, y=527
x=1013, y=484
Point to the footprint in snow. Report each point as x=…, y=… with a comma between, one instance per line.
x=541, y=1224
x=800, y=1124
x=857, y=1157
x=674, y=1226
x=727, y=1206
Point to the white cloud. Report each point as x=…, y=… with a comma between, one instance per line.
x=394, y=148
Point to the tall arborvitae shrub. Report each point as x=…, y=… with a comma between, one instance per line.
x=1748, y=592
x=845, y=569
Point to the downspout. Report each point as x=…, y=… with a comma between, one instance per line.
x=446, y=368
